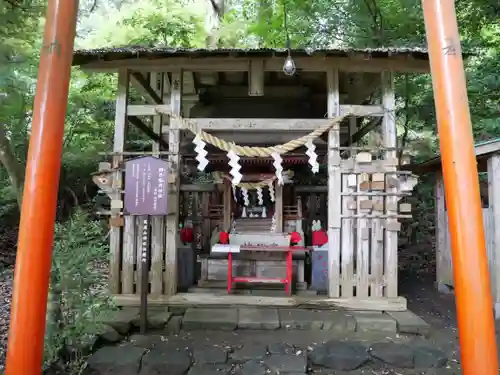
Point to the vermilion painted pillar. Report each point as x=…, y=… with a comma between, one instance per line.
x=36, y=231
x=470, y=261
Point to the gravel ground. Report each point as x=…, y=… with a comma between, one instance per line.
x=5, y=297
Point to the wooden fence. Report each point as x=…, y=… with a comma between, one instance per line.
x=200, y=204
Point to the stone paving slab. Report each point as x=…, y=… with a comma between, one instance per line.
x=408, y=322
x=257, y=318
x=283, y=352
x=316, y=320
x=218, y=319
x=369, y=321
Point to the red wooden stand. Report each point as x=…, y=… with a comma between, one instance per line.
x=287, y=281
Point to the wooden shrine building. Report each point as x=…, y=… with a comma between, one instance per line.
x=279, y=124
x=488, y=165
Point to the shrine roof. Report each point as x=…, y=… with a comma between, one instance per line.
x=85, y=56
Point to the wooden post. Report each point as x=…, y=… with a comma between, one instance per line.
x=334, y=185
x=227, y=198
x=256, y=78
x=278, y=190
x=390, y=140
x=174, y=189
x=157, y=222
x=494, y=211
x=444, y=272
x=115, y=237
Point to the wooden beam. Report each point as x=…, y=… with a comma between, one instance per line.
x=148, y=109
x=389, y=136
x=115, y=242
x=271, y=64
x=256, y=78
x=143, y=86
x=197, y=188
x=224, y=300
x=136, y=121
x=278, y=204
x=444, y=273
x=494, y=211
x=174, y=159
x=157, y=222
x=227, y=200
x=259, y=124
x=334, y=185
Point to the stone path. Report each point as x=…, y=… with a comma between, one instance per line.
x=266, y=341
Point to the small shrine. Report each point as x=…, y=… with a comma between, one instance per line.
x=260, y=134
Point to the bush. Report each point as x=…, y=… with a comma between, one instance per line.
x=78, y=291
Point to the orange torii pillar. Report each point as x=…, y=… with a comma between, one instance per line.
x=36, y=230
x=470, y=262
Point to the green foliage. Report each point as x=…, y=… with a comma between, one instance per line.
x=78, y=287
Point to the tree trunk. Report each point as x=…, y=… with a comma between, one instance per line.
x=11, y=164
x=212, y=21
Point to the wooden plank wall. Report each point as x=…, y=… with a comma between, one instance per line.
x=130, y=254
x=445, y=271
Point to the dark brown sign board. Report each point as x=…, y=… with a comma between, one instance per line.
x=146, y=187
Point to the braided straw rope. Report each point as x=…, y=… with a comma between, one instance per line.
x=257, y=151
x=253, y=185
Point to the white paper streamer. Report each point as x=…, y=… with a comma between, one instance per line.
x=313, y=157
x=273, y=224
x=234, y=193
x=244, y=192
x=244, y=212
x=277, y=165
x=271, y=191
x=201, y=153
x=259, y=196
x=235, y=167
x=264, y=212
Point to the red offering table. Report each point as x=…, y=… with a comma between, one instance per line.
x=287, y=281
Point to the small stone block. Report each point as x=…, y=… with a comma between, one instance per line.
x=255, y=318
x=374, y=322
x=408, y=322
x=216, y=319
